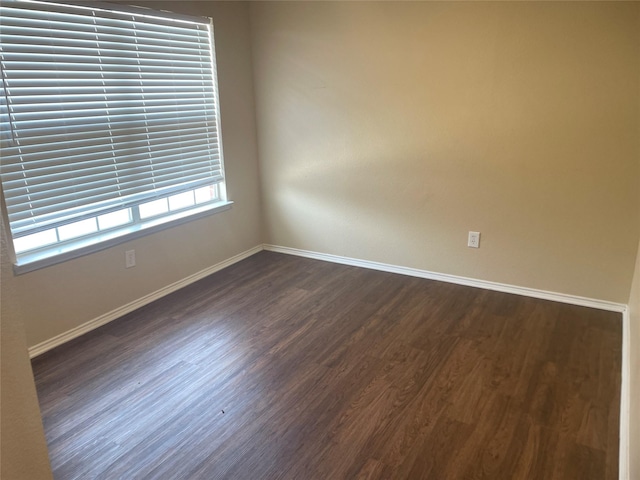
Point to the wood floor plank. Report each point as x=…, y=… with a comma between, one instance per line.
x=281, y=367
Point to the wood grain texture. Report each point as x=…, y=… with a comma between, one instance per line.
x=280, y=367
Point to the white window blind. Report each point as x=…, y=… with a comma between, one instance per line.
x=103, y=108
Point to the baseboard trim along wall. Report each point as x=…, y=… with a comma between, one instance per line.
x=40, y=348
x=443, y=277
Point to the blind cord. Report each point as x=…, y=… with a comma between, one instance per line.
x=6, y=99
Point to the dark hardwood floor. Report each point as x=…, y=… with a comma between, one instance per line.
x=280, y=367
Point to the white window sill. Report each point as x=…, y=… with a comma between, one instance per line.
x=28, y=262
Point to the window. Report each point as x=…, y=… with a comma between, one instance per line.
x=109, y=124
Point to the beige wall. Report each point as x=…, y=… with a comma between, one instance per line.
x=23, y=449
x=59, y=298
x=387, y=131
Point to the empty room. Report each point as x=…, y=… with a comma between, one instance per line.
x=320, y=240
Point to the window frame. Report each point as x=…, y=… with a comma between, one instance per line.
x=100, y=239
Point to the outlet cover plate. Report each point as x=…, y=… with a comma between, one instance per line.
x=130, y=258
x=474, y=240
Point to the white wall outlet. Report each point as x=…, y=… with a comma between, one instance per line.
x=474, y=240
x=130, y=258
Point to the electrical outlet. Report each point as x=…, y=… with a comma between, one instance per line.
x=130, y=258
x=474, y=240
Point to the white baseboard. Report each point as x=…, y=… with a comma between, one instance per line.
x=40, y=348
x=443, y=277
x=625, y=397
